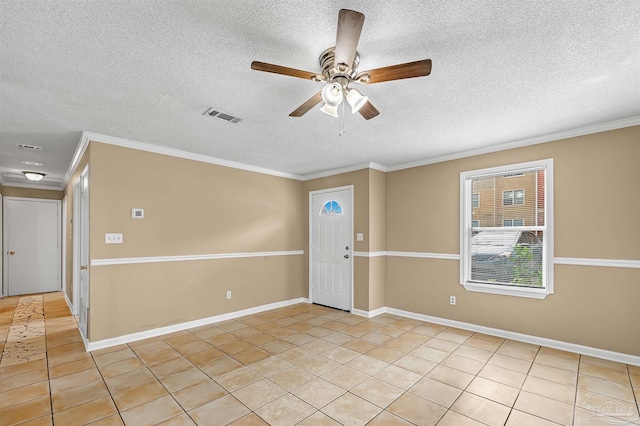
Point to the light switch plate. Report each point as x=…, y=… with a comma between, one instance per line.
x=113, y=238
x=359, y=236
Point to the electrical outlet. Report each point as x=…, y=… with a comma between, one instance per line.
x=229, y=295
x=452, y=300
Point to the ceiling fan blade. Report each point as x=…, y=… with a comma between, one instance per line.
x=398, y=72
x=307, y=106
x=277, y=69
x=349, y=29
x=368, y=111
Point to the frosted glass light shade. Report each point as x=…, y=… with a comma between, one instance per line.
x=356, y=100
x=332, y=94
x=34, y=176
x=330, y=110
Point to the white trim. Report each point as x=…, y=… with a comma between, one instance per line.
x=351, y=190
x=66, y=299
x=63, y=242
x=369, y=314
x=505, y=290
x=127, y=338
x=535, y=340
x=346, y=169
x=369, y=253
x=58, y=203
x=110, y=140
x=32, y=186
x=157, y=259
x=83, y=143
x=579, y=261
x=466, y=189
x=550, y=137
x=611, y=263
x=447, y=256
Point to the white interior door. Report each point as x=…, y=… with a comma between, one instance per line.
x=32, y=245
x=331, y=221
x=83, y=241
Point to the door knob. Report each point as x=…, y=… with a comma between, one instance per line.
x=83, y=267
x=346, y=256
x=12, y=252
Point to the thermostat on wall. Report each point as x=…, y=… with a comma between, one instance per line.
x=137, y=213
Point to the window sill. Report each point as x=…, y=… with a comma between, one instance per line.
x=533, y=293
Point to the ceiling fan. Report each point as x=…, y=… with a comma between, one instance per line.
x=340, y=68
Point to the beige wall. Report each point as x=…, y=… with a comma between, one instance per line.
x=48, y=194
x=190, y=208
x=597, y=200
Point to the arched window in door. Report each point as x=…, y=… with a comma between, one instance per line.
x=331, y=208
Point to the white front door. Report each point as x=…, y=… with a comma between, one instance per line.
x=331, y=218
x=32, y=245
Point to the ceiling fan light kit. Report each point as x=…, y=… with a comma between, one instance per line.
x=340, y=69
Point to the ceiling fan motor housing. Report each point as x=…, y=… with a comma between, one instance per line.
x=330, y=69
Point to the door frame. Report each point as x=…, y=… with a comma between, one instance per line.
x=63, y=245
x=5, y=242
x=350, y=188
x=77, y=234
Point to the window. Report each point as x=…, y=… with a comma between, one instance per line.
x=475, y=200
x=513, y=198
x=496, y=258
x=331, y=208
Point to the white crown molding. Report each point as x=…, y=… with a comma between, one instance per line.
x=581, y=131
x=30, y=186
x=550, y=137
x=133, y=337
x=158, y=259
x=111, y=140
x=346, y=169
x=83, y=143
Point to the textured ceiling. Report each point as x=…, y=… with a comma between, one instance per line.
x=147, y=70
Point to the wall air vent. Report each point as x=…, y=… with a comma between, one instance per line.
x=31, y=147
x=222, y=116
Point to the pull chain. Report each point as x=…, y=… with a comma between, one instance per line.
x=341, y=119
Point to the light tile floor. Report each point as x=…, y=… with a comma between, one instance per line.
x=303, y=365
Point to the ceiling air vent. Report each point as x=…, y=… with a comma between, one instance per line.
x=222, y=116
x=31, y=147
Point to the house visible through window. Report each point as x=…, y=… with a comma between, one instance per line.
x=513, y=197
x=497, y=258
x=475, y=200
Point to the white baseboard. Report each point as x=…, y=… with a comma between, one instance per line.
x=66, y=299
x=535, y=340
x=101, y=344
x=368, y=314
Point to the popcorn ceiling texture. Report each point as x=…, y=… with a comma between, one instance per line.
x=147, y=70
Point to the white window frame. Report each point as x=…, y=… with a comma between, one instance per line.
x=466, y=213
x=512, y=222
x=513, y=198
